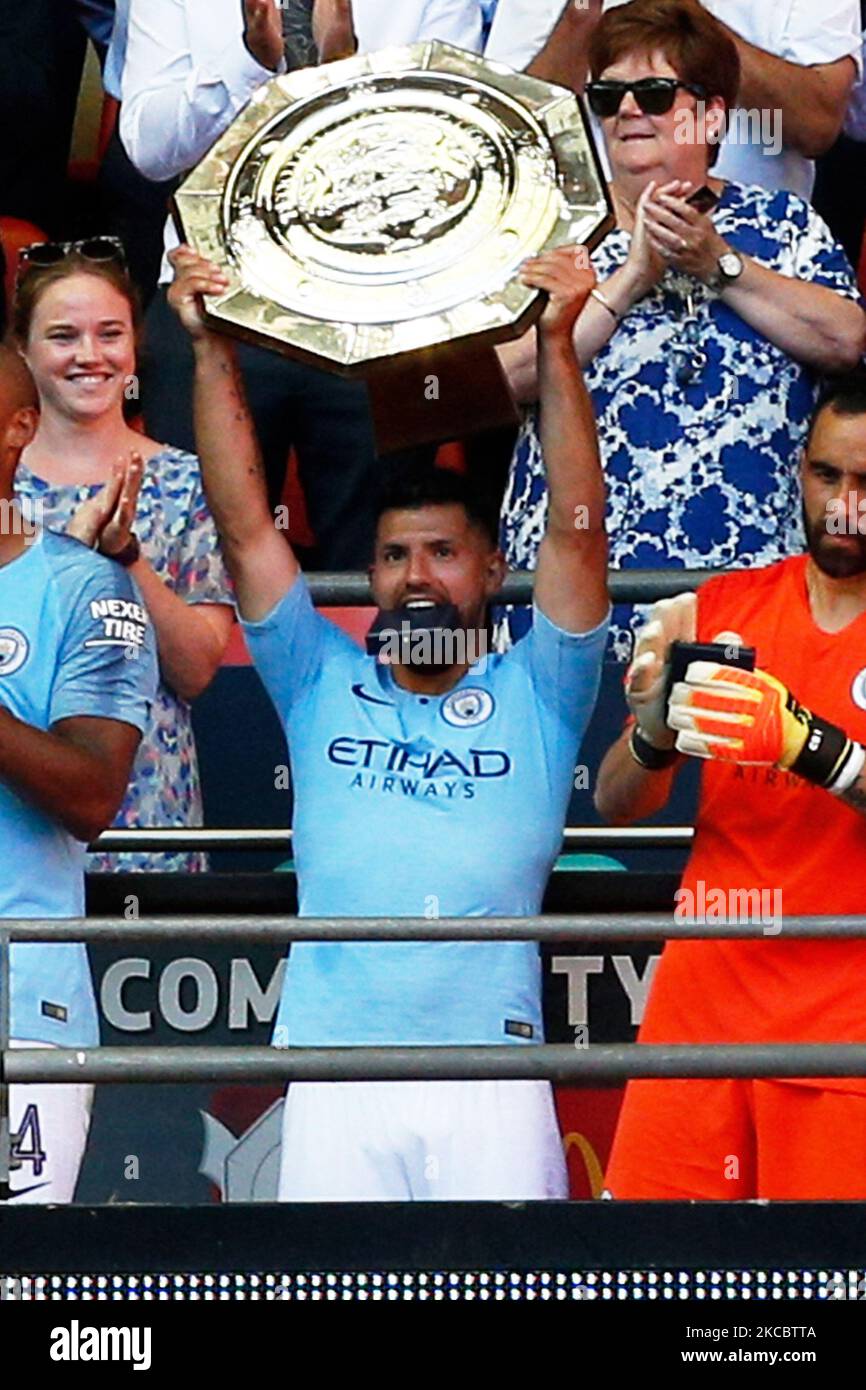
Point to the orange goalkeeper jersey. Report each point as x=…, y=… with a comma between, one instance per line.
x=762, y=829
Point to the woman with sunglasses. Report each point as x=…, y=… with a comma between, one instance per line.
x=716, y=306
x=87, y=472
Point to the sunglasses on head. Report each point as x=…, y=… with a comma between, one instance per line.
x=45, y=253
x=654, y=95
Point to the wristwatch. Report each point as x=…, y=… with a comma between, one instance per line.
x=730, y=267
x=129, y=554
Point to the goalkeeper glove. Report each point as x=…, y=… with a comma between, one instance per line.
x=750, y=717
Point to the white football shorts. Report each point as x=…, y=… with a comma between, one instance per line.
x=381, y=1141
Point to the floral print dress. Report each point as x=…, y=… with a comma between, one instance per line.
x=179, y=539
x=700, y=418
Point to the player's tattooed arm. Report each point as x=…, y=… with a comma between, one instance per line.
x=260, y=559
x=571, y=572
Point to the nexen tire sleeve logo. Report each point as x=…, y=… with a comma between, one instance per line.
x=124, y=623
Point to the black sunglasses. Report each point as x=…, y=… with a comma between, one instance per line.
x=45, y=253
x=654, y=95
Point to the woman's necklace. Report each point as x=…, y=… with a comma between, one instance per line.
x=689, y=357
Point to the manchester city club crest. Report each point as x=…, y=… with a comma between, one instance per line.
x=464, y=709
x=14, y=650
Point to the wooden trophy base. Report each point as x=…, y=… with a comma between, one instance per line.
x=440, y=395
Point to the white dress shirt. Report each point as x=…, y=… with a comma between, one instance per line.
x=381, y=23
x=186, y=76
x=187, y=72
x=520, y=30
x=855, y=120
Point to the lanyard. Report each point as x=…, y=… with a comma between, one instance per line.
x=688, y=356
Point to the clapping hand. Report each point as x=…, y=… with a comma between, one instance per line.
x=105, y=521
x=670, y=620
x=645, y=261
x=683, y=237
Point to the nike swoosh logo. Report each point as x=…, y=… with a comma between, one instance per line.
x=371, y=699
x=22, y=1191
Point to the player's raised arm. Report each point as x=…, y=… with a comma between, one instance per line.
x=260, y=559
x=571, y=577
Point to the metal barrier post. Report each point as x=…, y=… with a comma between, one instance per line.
x=5, y=1131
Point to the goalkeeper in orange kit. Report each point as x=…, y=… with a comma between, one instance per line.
x=782, y=809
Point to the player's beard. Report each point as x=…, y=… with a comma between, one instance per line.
x=835, y=560
x=426, y=638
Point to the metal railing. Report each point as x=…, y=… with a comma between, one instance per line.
x=599, y=1064
x=352, y=590
x=574, y=839
x=579, y=927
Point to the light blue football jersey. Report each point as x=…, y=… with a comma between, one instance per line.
x=411, y=805
x=74, y=640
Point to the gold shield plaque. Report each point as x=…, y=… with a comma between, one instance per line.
x=381, y=206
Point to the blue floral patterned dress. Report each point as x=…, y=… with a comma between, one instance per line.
x=179, y=539
x=700, y=422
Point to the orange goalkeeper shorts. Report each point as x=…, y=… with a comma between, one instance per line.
x=717, y=1140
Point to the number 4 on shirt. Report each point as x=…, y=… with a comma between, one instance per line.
x=35, y=1153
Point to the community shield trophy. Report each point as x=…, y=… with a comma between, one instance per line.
x=372, y=216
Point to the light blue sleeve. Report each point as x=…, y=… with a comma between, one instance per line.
x=107, y=666
x=565, y=668
x=289, y=646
